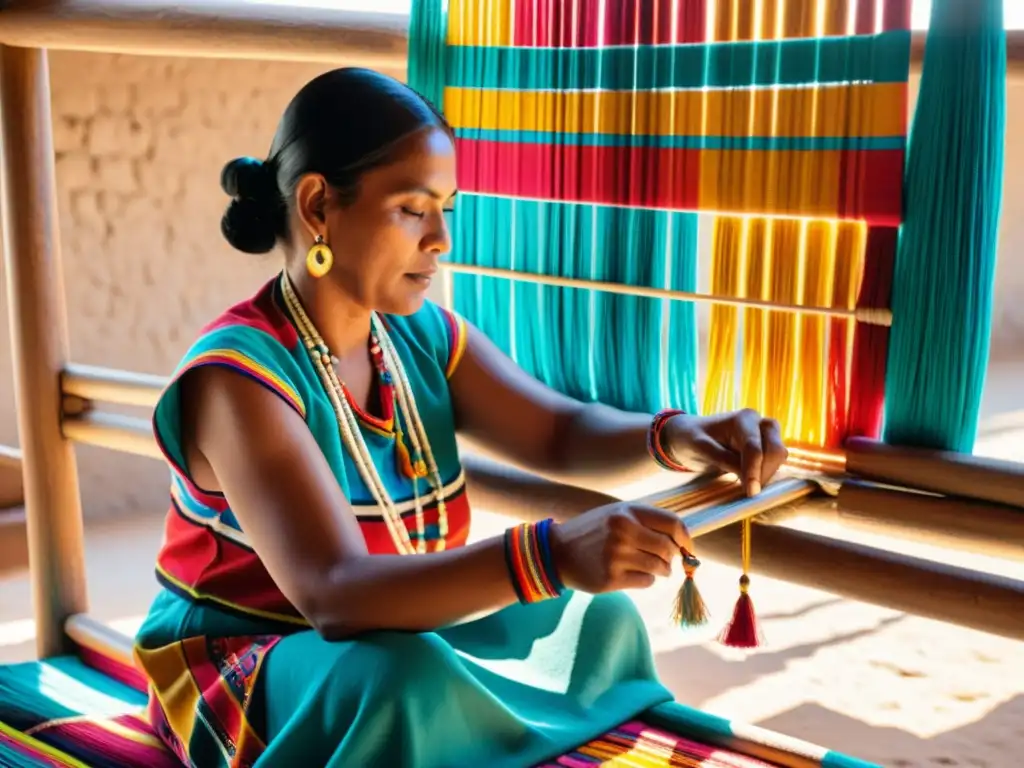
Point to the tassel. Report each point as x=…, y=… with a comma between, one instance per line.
x=742, y=631
x=689, y=609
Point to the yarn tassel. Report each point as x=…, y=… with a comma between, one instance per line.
x=689, y=609
x=743, y=631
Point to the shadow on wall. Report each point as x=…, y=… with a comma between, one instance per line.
x=140, y=143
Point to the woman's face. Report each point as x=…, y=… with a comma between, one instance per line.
x=388, y=241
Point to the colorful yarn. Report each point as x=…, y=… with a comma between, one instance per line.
x=530, y=564
x=797, y=369
x=638, y=745
x=689, y=609
x=588, y=134
x=587, y=344
x=945, y=267
x=743, y=631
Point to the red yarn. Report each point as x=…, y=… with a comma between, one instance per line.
x=742, y=631
x=871, y=342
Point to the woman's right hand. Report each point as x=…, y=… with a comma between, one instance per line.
x=619, y=546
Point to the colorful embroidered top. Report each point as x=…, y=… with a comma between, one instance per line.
x=215, y=585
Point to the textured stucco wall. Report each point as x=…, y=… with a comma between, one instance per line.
x=140, y=143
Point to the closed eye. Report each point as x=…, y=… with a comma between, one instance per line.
x=411, y=212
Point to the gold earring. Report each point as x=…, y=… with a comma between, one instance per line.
x=320, y=259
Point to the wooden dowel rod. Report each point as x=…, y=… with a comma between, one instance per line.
x=862, y=315
x=35, y=301
x=944, y=472
x=241, y=30
x=212, y=29
x=114, y=432
x=967, y=598
x=111, y=386
x=956, y=524
x=702, y=522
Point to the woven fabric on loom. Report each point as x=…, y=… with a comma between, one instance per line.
x=65, y=713
x=637, y=745
x=591, y=134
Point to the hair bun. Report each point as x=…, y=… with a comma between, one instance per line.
x=256, y=216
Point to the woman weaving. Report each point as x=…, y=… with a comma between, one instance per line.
x=292, y=630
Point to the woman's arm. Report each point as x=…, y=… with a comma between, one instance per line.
x=263, y=458
x=508, y=491
x=520, y=420
x=246, y=442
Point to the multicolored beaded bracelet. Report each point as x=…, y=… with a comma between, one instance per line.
x=654, y=446
x=530, y=564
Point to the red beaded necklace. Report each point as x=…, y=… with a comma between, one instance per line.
x=413, y=467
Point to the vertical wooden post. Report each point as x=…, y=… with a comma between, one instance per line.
x=39, y=344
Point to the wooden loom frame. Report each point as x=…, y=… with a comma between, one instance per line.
x=56, y=399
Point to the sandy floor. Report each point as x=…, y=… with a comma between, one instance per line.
x=874, y=683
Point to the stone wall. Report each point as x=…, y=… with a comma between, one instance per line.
x=140, y=143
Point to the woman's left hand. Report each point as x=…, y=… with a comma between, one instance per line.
x=741, y=442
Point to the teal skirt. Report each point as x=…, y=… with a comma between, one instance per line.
x=512, y=689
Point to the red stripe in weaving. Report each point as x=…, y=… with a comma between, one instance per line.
x=649, y=177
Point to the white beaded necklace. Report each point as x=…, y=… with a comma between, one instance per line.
x=353, y=439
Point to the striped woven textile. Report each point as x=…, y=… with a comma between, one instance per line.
x=638, y=745
x=590, y=136
x=61, y=712
x=619, y=102
x=89, y=711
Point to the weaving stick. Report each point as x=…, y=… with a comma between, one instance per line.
x=711, y=506
x=867, y=315
x=736, y=507
x=944, y=472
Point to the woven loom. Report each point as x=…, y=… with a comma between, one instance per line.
x=591, y=135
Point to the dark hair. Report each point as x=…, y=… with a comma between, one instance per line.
x=341, y=124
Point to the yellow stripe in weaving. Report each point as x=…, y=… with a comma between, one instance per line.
x=173, y=685
x=51, y=752
x=725, y=178
x=863, y=110
x=815, y=287
x=107, y=724
x=480, y=22
x=726, y=262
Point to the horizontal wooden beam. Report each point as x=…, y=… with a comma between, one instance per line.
x=955, y=524
x=112, y=431
x=959, y=596
x=227, y=29
x=221, y=29
x=963, y=475
x=108, y=385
